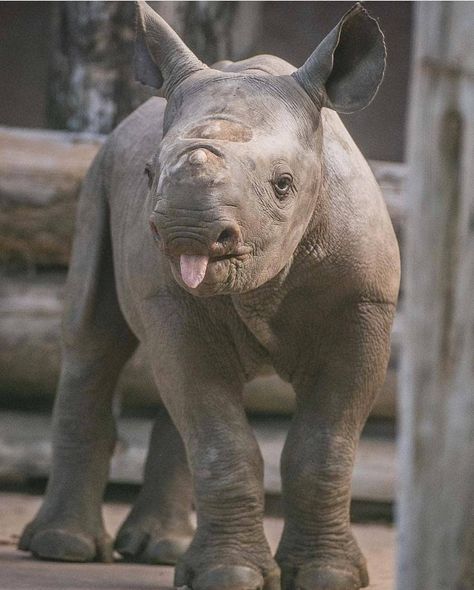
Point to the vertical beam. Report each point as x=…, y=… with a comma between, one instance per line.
x=436, y=457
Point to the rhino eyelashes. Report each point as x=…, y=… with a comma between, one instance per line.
x=283, y=185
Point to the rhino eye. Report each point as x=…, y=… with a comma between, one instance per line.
x=283, y=184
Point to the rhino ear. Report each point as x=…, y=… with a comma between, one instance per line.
x=161, y=57
x=346, y=69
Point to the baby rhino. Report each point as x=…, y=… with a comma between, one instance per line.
x=231, y=227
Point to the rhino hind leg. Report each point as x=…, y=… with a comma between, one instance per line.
x=158, y=529
x=96, y=344
x=69, y=524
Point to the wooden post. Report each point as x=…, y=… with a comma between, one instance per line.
x=436, y=457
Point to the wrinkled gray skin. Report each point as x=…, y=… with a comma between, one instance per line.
x=244, y=166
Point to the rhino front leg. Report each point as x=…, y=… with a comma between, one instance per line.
x=229, y=549
x=200, y=381
x=317, y=550
x=158, y=529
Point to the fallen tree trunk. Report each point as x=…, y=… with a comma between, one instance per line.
x=30, y=317
x=40, y=177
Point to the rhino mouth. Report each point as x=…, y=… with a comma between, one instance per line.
x=198, y=269
x=237, y=255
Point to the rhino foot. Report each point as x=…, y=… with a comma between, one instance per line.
x=314, y=576
x=160, y=549
x=211, y=565
x=60, y=543
x=322, y=565
x=145, y=541
x=229, y=577
x=326, y=578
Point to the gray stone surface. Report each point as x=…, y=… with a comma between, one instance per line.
x=18, y=571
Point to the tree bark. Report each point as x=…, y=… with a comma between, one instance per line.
x=437, y=378
x=208, y=29
x=92, y=86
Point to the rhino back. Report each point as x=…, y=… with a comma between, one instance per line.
x=361, y=232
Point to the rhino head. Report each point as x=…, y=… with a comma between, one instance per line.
x=237, y=177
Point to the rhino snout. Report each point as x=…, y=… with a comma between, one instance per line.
x=222, y=238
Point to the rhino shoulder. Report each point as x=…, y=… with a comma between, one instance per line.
x=362, y=231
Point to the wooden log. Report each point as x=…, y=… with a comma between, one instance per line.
x=25, y=452
x=30, y=317
x=436, y=510
x=30, y=357
x=40, y=177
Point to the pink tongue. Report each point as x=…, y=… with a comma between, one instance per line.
x=193, y=269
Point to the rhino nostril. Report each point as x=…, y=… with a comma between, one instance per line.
x=229, y=236
x=224, y=236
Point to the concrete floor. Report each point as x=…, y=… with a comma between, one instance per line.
x=18, y=571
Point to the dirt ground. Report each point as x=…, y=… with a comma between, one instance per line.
x=18, y=571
